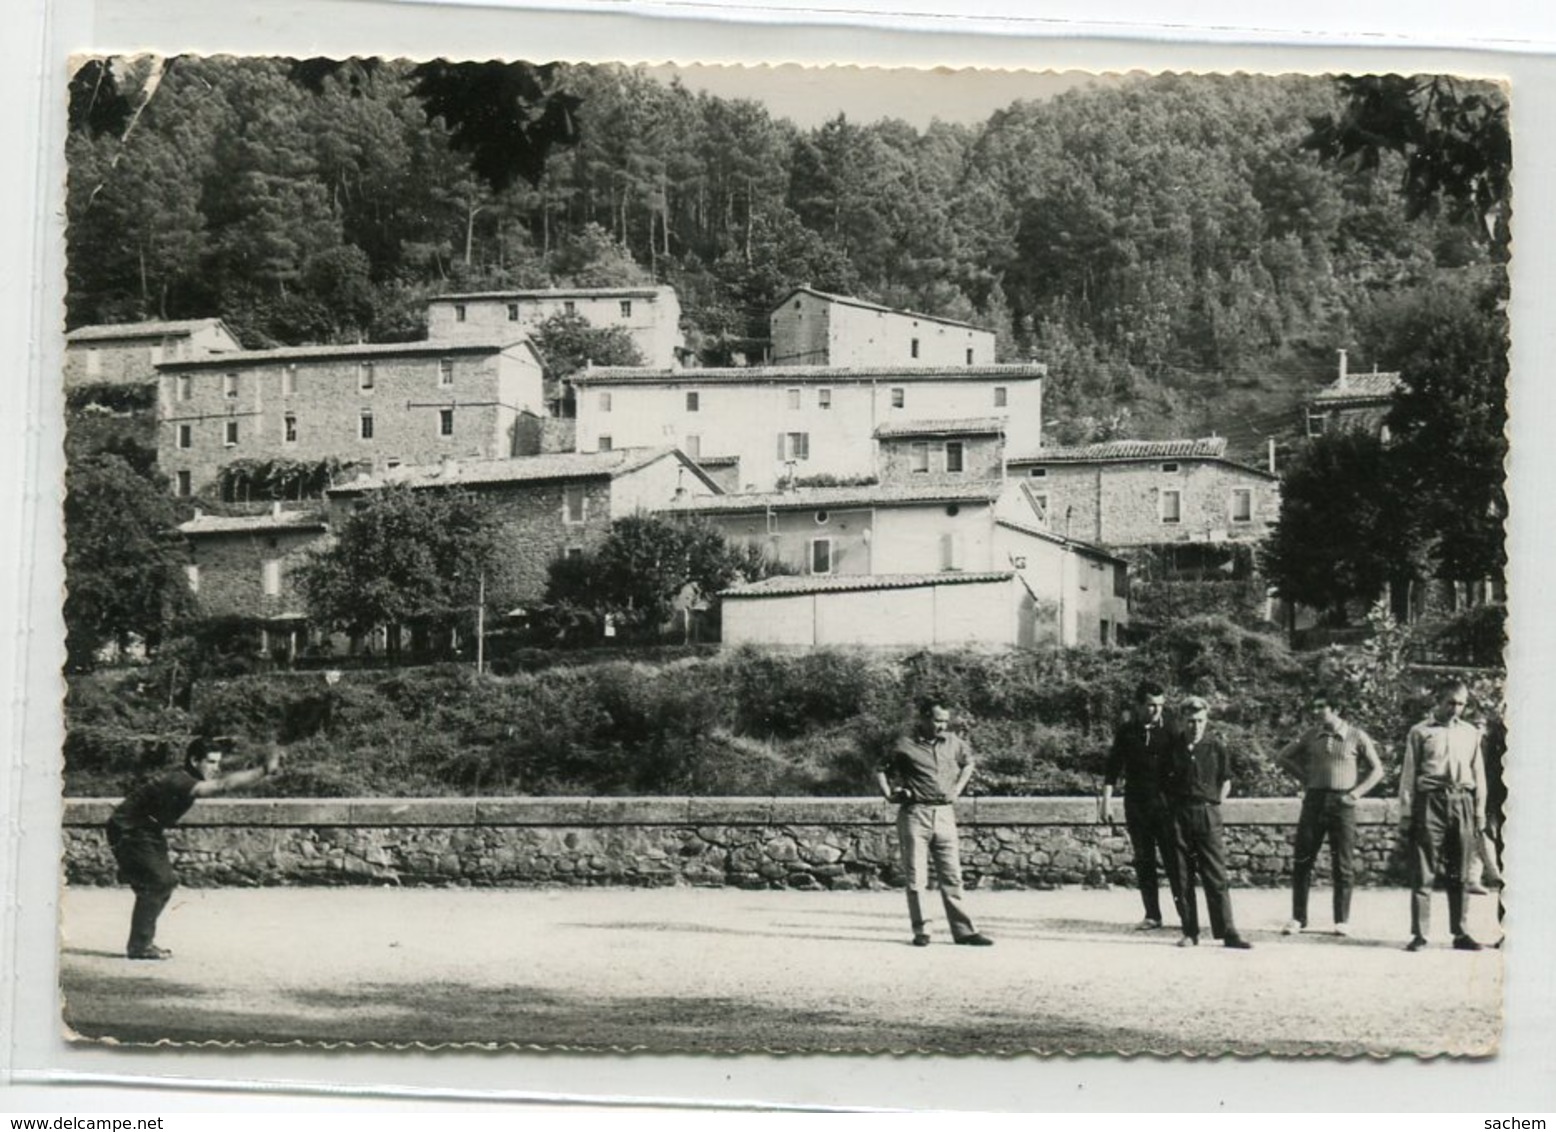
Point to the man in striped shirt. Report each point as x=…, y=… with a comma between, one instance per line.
x=1442, y=797
x=1328, y=758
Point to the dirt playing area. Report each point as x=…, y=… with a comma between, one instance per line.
x=713, y=969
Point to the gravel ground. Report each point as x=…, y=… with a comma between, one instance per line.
x=724, y=970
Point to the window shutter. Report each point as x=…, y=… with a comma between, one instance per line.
x=803, y=452
x=781, y=453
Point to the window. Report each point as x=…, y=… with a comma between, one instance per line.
x=445, y=422
x=446, y=371
x=289, y=428
x=951, y=551
x=899, y=398
x=569, y=307
x=367, y=426
x=574, y=553
x=626, y=308
x=822, y=518
x=94, y=362
x=605, y=402
x=289, y=381
x=459, y=312
x=1001, y=394
x=270, y=577
x=1120, y=580
x=574, y=505
x=953, y=455
x=1102, y=630
x=230, y=386
x=1242, y=505
x=821, y=556
x=793, y=446
x=1172, y=506
x=692, y=445
x=1040, y=505
x=1037, y=473
x=513, y=312
x=1317, y=423
x=913, y=348
x=605, y=442
x=186, y=436
x=365, y=376
x=185, y=484
x=970, y=362
x=693, y=401
x=823, y=398
x=232, y=433
x=192, y=575
x=918, y=456
x=1169, y=468
x=185, y=387
x=792, y=397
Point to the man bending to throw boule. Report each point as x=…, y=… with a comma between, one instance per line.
x=135, y=830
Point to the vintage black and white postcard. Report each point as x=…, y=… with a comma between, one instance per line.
x=697, y=558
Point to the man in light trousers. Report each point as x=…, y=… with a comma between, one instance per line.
x=924, y=775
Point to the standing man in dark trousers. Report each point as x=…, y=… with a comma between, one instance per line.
x=1442, y=800
x=924, y=775
x=1197, y=777
x=1139, y=747
x=1327, y=759
x=136, y=831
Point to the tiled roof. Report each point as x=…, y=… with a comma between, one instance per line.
x=1037, y=530
x=176, y=329
x=716, y=461
x=967, y=426
x=787, y=585
x=820, y=498
x=1361, y=387
x=796, y=375
x=356, y=350
x=516, y=469
x=1209, y=447
x=849, y=300
x=245, y=524
x=558, y=293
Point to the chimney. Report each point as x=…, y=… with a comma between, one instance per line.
x=1343, y=374
x=1272, y=455
x=275, y=508
x=199, y=513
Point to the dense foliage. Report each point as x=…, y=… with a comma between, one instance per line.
x=1166, y=244
x=737, y=722
x=402, y=557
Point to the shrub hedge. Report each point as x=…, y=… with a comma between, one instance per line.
x=742, y=721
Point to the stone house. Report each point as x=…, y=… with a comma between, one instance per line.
x=786, y=422
x=549, y=506
x=130, y=352
x=1356, y=401
x=651, y=315
x=970, y=448
x=814, y=328
x=242, y=566
x=1125, y=493
x=370, y=404
x=854, y=544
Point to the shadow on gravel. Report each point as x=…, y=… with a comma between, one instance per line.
x=454, y=1013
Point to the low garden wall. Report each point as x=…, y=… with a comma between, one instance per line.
x=746, y=842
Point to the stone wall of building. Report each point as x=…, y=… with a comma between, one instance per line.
x=1121, y=504
x=231, y=571
x=832, y=843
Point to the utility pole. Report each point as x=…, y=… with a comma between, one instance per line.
x=480, y=626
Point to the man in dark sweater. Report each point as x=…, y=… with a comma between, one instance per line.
x=1139, y=746
x=1197, y=777
x=136, y=830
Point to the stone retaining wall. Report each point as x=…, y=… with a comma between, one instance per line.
x=745, y=842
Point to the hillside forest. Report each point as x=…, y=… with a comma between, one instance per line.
x=1177, y=249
